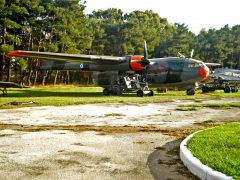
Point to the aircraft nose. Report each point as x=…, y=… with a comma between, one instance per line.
x=204, y=72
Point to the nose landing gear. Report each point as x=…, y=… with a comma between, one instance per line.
x=191, y=91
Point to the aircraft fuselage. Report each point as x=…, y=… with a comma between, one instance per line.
x=161, y=72
x=119, y=74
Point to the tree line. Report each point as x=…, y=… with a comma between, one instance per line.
x=62, y=26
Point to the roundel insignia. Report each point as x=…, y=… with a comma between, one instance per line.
x=81, y=66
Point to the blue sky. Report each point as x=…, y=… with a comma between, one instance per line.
x=197, y=14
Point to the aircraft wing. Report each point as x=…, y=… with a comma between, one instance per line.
x=74, y=58
x=227, y=76
x=213, y=65
x=11, y=85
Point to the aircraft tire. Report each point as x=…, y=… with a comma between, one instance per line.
x=151, y=93
x=234, y=90
x=116, y=90
x=205, y=89
x=106, y=92
x=227, y=89
x=140, y=93
x=190, y=92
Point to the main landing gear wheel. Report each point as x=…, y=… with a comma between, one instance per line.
x=227, y=89
x=151, y=93
x=106, y=92
x=205, y=89
x=190, y=92
x=140, y=93
x=234, y=89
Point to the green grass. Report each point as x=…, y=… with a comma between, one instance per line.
x=219, y=148
x=186, y=109
x=73, y=95
x=223, y=105
x=220, y=105
x=114, y=114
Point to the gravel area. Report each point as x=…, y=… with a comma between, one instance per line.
x=99, y=141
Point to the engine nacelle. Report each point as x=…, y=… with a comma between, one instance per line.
x=135, y=63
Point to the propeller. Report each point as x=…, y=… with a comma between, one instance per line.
x=145, y=60
x=182, y=56
x=145, y=50
x=191, y=54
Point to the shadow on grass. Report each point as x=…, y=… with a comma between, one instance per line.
x=61, y=93
x=39, y=93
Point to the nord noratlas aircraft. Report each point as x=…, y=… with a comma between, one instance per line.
x=133, y=73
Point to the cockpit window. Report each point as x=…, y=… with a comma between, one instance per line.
x=176, y=66
x=194, y=65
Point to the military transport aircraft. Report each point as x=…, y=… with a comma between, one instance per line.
x=223, y=79
x=134, y=73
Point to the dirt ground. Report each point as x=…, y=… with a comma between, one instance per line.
x=101, y=141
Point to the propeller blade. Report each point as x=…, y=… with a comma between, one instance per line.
x=181, y=55
x=145, y=60
x=191, y=54
x=145, y=50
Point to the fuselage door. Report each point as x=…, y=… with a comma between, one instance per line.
x=175, y=70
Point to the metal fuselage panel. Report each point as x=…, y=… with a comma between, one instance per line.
x=173, y=72
x=124, y=66
x=226, y=74
x=161, y=72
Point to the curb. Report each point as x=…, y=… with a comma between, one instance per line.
x=195, y=166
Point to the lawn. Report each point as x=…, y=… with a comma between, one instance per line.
x=73, y=95
x=194, y=107
x=219, y=148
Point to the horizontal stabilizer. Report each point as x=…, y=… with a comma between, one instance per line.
x=11, y=85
